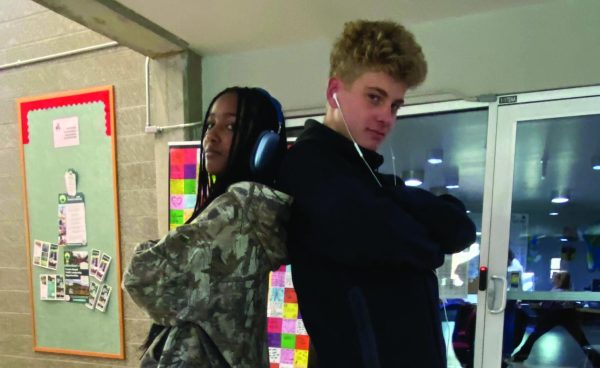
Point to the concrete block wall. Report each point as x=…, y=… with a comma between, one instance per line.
x=28, y=30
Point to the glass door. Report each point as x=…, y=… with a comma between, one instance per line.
x=542, y=251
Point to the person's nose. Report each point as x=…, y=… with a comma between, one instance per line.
x=386, y=117
x=211, y=136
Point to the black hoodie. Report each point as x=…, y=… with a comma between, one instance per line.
x=364, y=257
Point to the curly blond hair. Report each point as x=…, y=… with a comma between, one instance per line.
x=377, y=46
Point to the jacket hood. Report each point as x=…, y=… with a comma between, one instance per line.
x=268, y=210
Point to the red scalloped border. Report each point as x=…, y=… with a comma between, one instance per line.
x=55, y=102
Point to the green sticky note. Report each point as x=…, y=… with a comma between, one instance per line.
x=189, y=186
x=288, y=341
x=176, y=217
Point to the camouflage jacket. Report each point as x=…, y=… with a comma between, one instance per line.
x=209, y=280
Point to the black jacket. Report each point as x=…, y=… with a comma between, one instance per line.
x=363, y=257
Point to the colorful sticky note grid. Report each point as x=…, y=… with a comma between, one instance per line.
x=183, y=183
x=288, y=340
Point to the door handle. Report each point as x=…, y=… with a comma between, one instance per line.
x=502, y=280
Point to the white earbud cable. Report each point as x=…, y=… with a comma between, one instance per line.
x=360, y=154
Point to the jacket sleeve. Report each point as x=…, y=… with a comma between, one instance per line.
x=444, y=217
x=169, y=277
x=358, y=223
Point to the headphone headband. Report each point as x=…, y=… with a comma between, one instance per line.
x=277, y=105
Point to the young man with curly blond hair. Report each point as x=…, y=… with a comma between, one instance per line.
x=364, y=247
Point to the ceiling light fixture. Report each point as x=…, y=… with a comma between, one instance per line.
x=413, y=178
x=560, y=196
x=452, y=182
x=435, y=156
x=451, y=177
x=553, y=213
x=596, y=163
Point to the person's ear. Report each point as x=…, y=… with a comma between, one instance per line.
x=333, y=86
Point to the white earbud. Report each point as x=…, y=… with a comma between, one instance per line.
x=337, y=103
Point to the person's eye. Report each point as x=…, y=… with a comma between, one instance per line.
x=396, y=107
x=231, y=126
x=375, y=99
x=210, y=125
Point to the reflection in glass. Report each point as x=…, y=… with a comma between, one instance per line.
x=555, y=232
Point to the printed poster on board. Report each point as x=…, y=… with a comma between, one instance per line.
x=77, y=279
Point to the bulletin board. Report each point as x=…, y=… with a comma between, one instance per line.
x=68, y=162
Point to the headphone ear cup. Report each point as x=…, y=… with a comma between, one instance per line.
x=264, y=153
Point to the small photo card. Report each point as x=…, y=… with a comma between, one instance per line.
x=103, y=297
x=43, y=287
x=94, y=262
x=93, y=297
x=103, y=267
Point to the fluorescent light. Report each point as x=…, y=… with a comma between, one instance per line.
x=451, y=175
x=560, y=196
x=553, y=214
x=596, y=163
x=413, y=178
x=435, y=156
x=413, y=182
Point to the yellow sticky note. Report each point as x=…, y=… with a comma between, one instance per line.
x=176, y=186
x=300, y=358
x=290, y=310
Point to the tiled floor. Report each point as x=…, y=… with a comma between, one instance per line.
x=555, y=349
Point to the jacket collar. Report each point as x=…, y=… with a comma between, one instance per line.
x=313, y=130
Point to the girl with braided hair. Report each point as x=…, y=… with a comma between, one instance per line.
x=205, y=283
